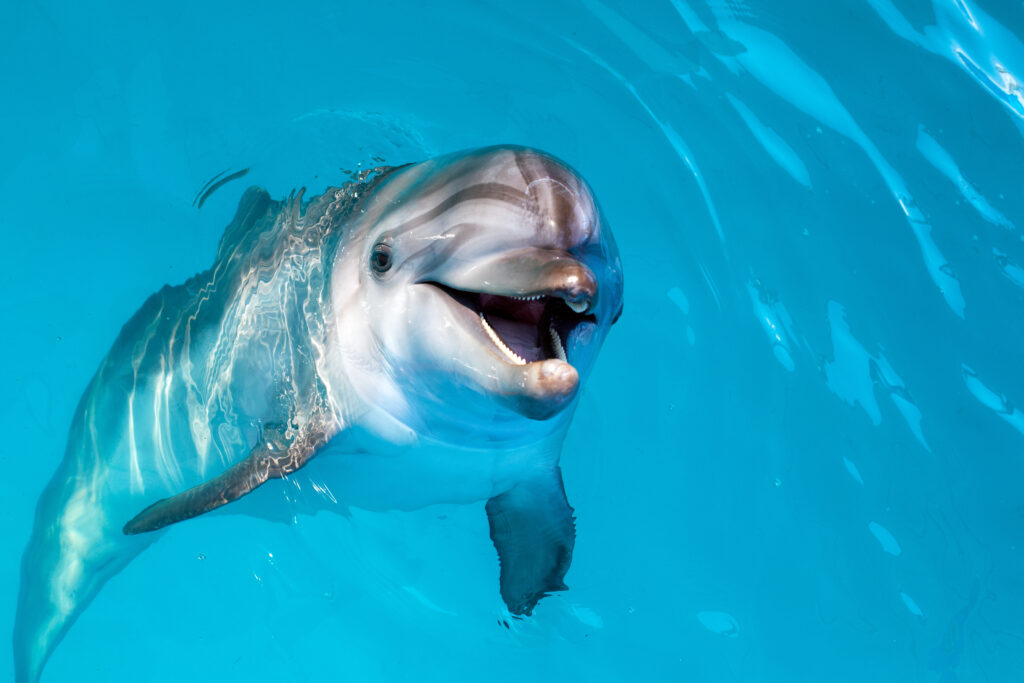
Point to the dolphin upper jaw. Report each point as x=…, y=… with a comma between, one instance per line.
x=523, y=273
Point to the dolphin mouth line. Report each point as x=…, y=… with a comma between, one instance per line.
x=525, y=329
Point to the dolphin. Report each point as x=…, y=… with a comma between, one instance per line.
x=418, y=335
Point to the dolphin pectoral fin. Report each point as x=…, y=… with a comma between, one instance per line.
x=532, y=528
x=266, y=461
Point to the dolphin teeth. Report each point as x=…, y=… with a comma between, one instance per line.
x=578, y=306
x=509, y=353
x=556, y=344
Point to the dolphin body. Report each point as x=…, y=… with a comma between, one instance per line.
x=422, y=332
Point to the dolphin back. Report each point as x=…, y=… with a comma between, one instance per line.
x=184, y=393
x=76, y=546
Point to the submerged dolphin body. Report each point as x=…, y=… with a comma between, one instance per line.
x=422, y=332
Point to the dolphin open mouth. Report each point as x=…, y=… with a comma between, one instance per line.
x=526, y=329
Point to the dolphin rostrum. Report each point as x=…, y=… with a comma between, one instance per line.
x=421, y=332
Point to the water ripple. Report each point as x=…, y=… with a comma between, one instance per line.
x=1012, y=271
x=777, y=148
x=673, y=137
x=769, y=60
x=853, y=373
x=971, y=39
x=938, y=157
x=775, y=322
x=885, y=539
x=996, y=402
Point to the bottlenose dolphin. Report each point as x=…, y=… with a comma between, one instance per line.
x=419, y=333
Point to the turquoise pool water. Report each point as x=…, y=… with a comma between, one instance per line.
x=799, y=457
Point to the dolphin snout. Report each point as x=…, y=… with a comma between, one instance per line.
x=565, y=277
x=578, y=288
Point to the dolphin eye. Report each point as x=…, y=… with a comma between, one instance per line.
x=380, y=259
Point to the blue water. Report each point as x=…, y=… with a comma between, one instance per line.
x=799, y=457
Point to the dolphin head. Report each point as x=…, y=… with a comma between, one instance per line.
x=487, y=281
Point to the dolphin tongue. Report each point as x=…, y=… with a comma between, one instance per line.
x=517, y=322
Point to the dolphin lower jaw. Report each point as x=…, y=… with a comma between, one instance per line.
x=545, y=389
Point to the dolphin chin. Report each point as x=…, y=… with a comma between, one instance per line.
x=548, y=387
x=429, y=326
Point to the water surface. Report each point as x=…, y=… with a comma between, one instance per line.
x=800, y=456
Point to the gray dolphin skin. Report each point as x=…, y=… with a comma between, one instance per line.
x=417, y=336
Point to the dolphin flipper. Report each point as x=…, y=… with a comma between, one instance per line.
x=532, y=528
x=269, y=459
